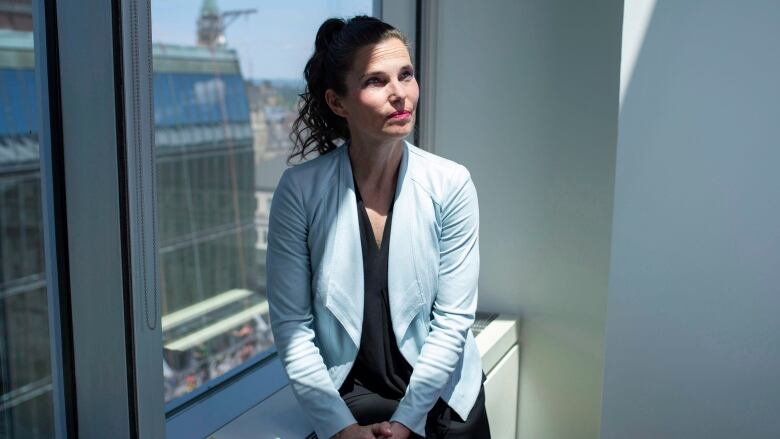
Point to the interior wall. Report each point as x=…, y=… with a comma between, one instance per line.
x=692, y=346
x=527, y=98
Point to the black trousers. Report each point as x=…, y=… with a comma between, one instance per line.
x=369, y=408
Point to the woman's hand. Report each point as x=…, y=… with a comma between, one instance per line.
x=399, y=431
x=372, y=431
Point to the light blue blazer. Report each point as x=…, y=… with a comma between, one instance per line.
x=315, y=284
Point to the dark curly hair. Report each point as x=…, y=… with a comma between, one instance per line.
x=317, y=126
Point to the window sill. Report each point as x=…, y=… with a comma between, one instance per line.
x=224, y=404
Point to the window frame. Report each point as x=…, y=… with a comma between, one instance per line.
x=97, y=131
x=47, y=86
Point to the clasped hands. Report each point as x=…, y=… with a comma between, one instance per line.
x=394, y=430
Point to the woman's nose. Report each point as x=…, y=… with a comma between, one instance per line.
x=397, y=90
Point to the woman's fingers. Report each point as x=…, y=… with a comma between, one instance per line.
x=373, y=431
x=381, y=429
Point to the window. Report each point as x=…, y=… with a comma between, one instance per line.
x=224, y=84
x=227, y=76
x=26, y=404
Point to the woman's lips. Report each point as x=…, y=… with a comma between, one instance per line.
x=400, y=115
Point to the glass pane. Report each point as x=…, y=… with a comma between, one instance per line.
x=26, y=409
x=226, y=82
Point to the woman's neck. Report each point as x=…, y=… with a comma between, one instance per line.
x=375, y=164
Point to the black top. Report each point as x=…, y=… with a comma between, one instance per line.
x=379, y=365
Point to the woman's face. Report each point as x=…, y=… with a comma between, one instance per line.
x=382, y=92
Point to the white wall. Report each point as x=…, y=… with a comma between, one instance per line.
x=693, y=329
x=527, y=98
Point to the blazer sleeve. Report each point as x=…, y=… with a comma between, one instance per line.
x=453, y=307
x=288, y=288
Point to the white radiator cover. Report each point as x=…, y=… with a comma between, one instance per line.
x=500, y=353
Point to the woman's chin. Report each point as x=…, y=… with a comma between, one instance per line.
x=399, y=131
x=398, y=135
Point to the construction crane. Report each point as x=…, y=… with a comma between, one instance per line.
x=212, y=23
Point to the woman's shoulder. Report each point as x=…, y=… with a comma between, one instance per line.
x=313, y=175
x=316, y=163
x=438, y=165
x=439, y=175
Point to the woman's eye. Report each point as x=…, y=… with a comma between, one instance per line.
x=372, y=81
x=407, y=74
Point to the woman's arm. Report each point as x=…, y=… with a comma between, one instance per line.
x=289, y=298
x=453, y=307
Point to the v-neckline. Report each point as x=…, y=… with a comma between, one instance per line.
x=390, y=207
x=377, y=247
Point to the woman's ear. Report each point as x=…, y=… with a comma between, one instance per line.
x=334, y=102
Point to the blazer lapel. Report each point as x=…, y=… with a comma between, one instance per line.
x=402, y=281
x=345, y=289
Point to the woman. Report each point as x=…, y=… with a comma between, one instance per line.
x=373, y=326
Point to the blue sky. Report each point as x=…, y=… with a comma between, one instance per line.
x=273, y=43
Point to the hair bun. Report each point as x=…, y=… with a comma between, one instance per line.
x=327, y=33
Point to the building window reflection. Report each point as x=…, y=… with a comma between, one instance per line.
x=26, y=409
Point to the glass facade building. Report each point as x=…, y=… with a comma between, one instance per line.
x=25, y=366
x=214, y=312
